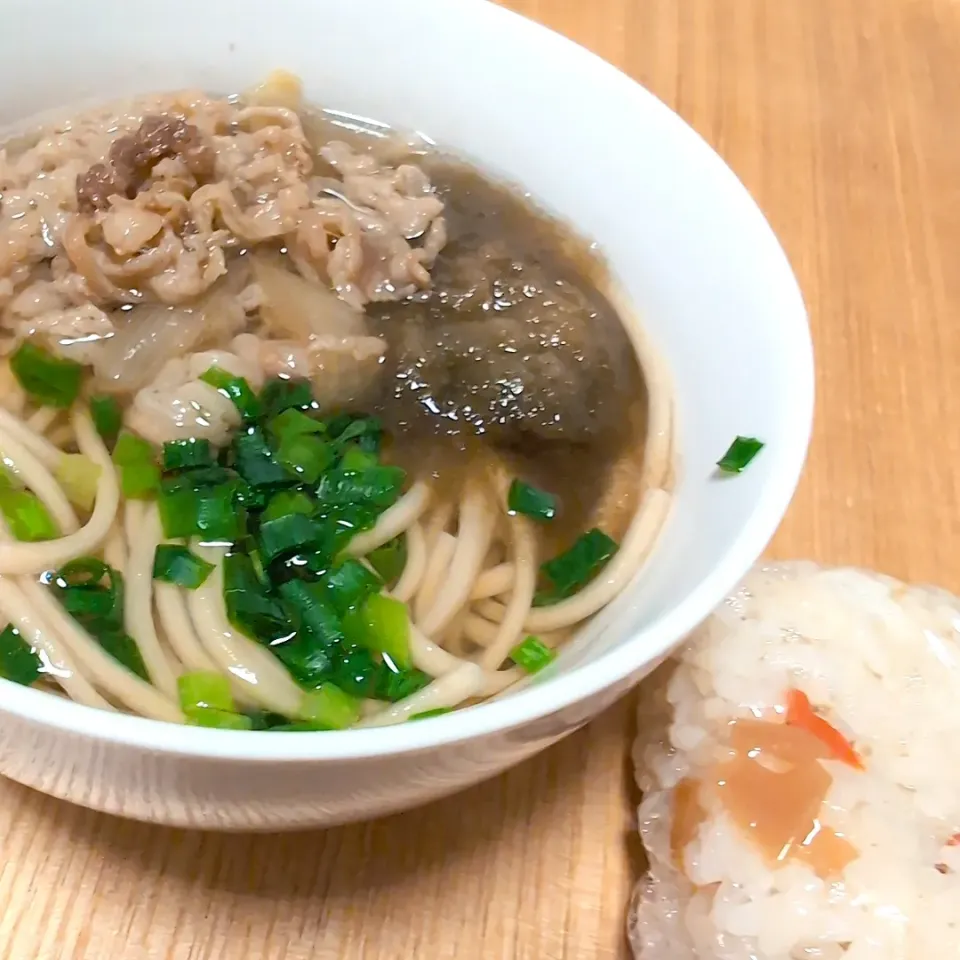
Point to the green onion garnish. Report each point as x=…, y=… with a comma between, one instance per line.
x=311, y=614
x=305, y=455
x=92, y=593
x=378, y=487
x=83, y=572
x=739, y=454
x=355, y=670
x=209, y=513
x=204, y=690
x=235, y=389
x=293, y=422
x=287, y=534
x=48, y=380
x=532, y=655
x=531, y=501
x=364, y=432
x=330, y=708
x=348, y=585
x=249, y=607
x=139, y=471
x=178, y=565
x=355, y=459
x=286, y=502
x=427, y=714
x=219, y=720
x=255, y=461
x=187, y=454
x=575, y=567
x=79, y=476
x=280, y=394
x=390, y=559
x=394, y=685
x=18, y=660
x=26, y=516
x=107, y=418
x=381, y=624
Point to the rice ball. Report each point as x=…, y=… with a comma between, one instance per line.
x=800, y=768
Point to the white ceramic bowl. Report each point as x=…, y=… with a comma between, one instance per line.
x=680, y=233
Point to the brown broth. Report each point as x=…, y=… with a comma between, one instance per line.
x=497, y=242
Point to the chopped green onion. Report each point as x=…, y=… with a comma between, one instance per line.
x=531, y=501
x=293, y=423
x=201, y=478
x=140, y=481
x=571, y=570
x=210, y=514
x=264, y=719
x=314, y=618
x=204, y=690
x=308, y=663
x=377, y=487
x=394, y=685
x=249, y=607
x=18, y=660
x=26, y=516
x=178, y=565
x=739, y=454
x=286, y=502
x=139, y=472
x=79, y=476
x=366, y=432
x=131, y=449
x=218, y=719
x=356, y=460
x=235, y=389
x=107, y=418
x=280, y=394
x=532, y=655
x=355, y=670
x=305, y=455
x=383, y=625
x=390, y=559
x=348, y=585
x=98, y=608
x=255, y=461
x=123, y=648
x=187, y=454
x=427, y=714
x=287, y=534
x=83, y=572
x=48, y=380
x=330, y=708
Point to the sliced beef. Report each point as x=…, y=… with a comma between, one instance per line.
x=132, y=158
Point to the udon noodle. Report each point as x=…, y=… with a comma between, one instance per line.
x=149, y=270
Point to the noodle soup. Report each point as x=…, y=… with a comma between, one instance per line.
x=305, y=425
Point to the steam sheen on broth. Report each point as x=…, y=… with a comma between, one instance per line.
x=305, y=425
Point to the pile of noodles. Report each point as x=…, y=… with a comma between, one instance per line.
x=468, y=581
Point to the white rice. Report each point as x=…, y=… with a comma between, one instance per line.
x=878, y=660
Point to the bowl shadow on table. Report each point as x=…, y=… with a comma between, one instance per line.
x=548, y=829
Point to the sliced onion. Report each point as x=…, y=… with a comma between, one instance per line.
x=146, y=338
x=293, y=307
x=149, y=335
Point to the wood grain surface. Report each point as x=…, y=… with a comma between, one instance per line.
x=841, y=118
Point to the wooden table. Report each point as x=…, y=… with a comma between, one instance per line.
x=841, y=116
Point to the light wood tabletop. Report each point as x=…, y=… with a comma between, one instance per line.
x=841, y=118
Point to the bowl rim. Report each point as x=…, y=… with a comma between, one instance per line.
x=536, y=701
